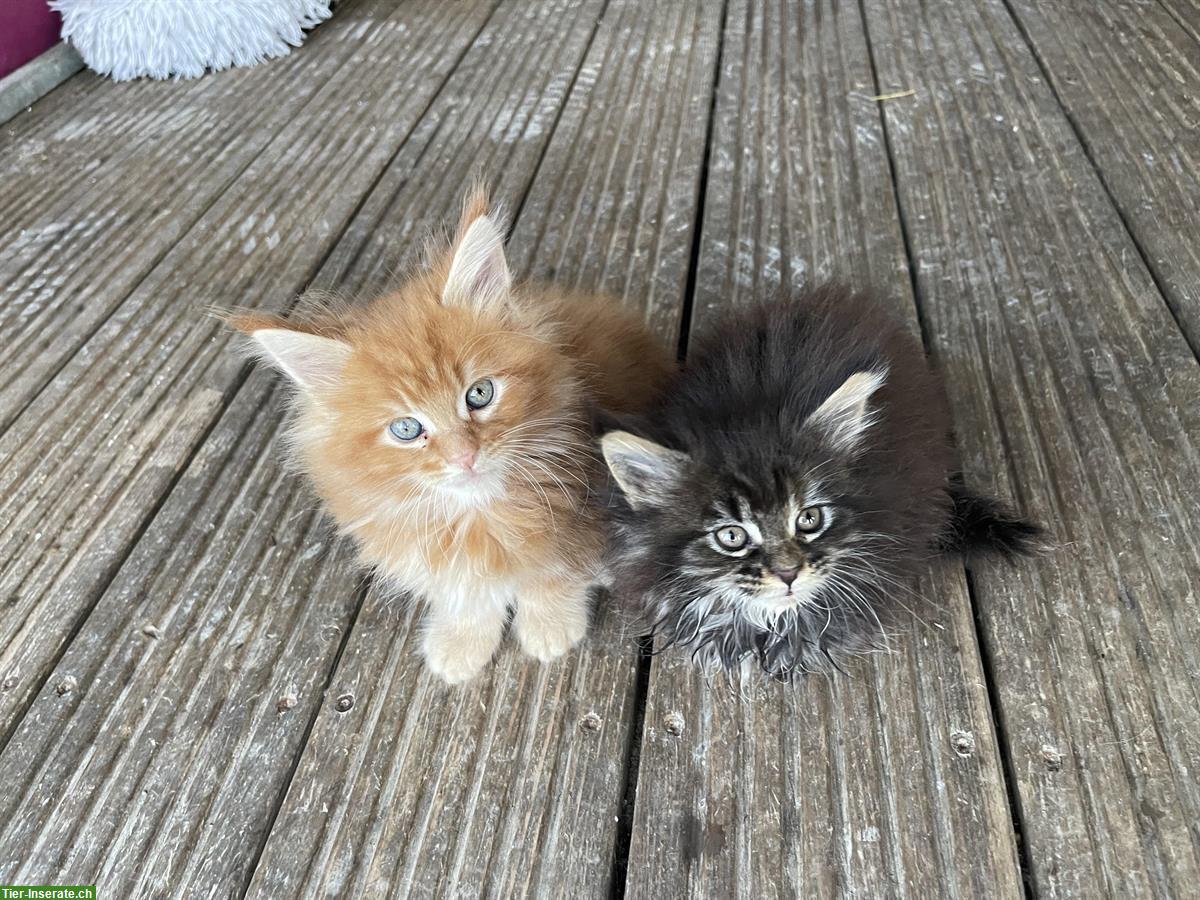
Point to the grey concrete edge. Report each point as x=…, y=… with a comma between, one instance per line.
x=38, y=77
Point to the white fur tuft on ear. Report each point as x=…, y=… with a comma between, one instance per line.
x=479, y=274
x=645, y=471
x=310, y=360
x=845, y=415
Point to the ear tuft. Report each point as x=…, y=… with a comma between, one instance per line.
x=479, y=275
x=312, y=361
x=845, y=416
x=645, y=471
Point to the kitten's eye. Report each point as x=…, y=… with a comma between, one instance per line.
x=732, y=537
x=481, y=393
x=406, y=429
x=810, y=520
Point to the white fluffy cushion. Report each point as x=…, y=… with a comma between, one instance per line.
x=184, y=38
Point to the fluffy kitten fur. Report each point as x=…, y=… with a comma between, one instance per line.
x=488, y=508
x=823, y=403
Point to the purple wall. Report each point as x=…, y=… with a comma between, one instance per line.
x=27, y=27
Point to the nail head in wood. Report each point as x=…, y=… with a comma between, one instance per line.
x=1053, y=757
x=963, y=743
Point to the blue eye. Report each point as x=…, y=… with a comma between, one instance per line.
x=481, y=393
x=406, y=429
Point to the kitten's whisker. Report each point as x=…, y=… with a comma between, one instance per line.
x=857, y=601
x=556, y=471
x=564, y=470
x=887, y=635
x=548, y=424
x=545, y=498
x=566, y=494
x=897, y=585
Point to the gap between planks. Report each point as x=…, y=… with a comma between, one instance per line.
x=1003, y=746
x=620, y=864
x=1090, y=156
x=286, y=782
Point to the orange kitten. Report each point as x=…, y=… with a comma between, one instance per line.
x=446, y=428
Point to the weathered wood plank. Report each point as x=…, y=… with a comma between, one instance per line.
x=887, y=782
x=1186, y=13
x=1075, y=391
x=512, y=786
x=87, y=462
x=102, y=179
x=174, y=747
x=1144, y=141
x=165, y=734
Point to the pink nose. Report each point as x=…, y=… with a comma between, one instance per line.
x=787, y=576
x=466, y=459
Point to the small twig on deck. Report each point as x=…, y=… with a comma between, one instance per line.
x=895, y=95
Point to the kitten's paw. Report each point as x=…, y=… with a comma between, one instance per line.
x=548, y=634
x=456, y=658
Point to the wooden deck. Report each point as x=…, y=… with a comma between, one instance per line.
x=199, y=697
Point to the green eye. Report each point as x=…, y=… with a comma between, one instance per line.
x=731, y=537
x=481, y=393
x=810, y=520
x=406, y=429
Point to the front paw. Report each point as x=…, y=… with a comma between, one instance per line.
x=548, y=634
x=456, y=657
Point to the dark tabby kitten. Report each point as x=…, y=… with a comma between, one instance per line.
x=800, y=471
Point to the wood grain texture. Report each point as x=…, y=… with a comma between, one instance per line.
x=886, y=782
x=512, y=786
x=1076, y=393
x=168, y=728
x=1145, y=142
x=197, y=694
x=101, y=180
x=1186, y=13
x=194, y=681
x=85, y=465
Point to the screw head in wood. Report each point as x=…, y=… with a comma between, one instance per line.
x=1053, y=757
x=963, y=742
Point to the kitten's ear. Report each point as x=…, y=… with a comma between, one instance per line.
x=845, y=415
x=645, y=471
x=311, y=360
x=479, y=275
